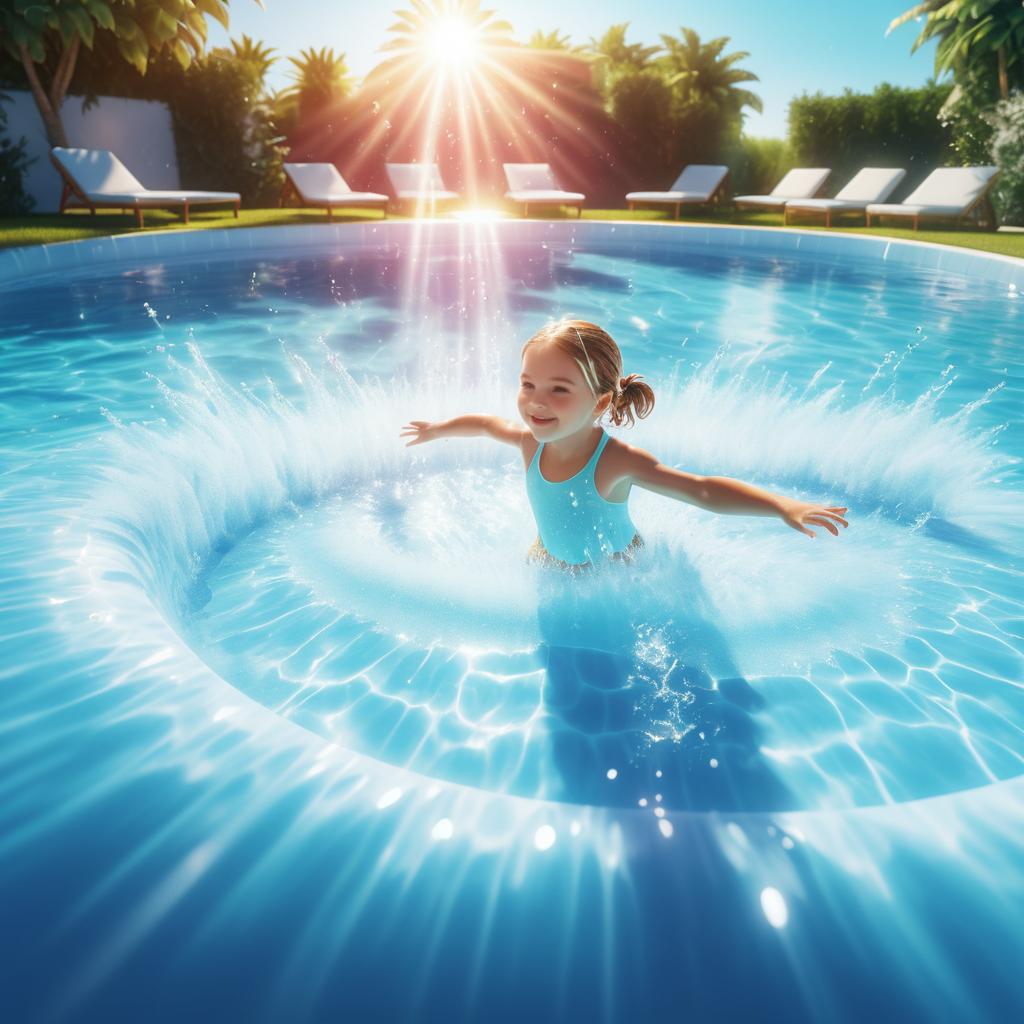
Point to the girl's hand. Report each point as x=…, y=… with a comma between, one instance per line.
x=420, y=431
x=801, y=514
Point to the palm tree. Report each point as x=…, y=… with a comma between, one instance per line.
x=552, y=41
x=615, y=53
x=617, y=64
x=703, y=76
x=253, y=54
x=320, y=80
x=970, y=32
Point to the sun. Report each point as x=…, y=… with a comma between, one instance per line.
x=453, y=42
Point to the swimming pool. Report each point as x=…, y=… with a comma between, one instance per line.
x=291, y=731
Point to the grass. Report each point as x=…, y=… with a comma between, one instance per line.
x=42, y=229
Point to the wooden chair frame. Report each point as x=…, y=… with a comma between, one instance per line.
x=788, y=211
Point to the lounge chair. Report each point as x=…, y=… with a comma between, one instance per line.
x=323, y=185
x=698, y=185
x=870, y=185
x=97, y=180
x=535, y=185
x=800, y=183
x=949, y=193
x=419, y=184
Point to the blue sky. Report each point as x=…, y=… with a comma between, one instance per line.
x=795, y=45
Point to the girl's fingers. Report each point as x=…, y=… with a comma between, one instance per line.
x=827, y=523
x=830, y=513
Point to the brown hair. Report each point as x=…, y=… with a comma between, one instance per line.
x=600, y=362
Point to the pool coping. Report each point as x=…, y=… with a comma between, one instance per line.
x=21, y=265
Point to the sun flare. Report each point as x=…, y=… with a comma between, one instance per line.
x=453, y=42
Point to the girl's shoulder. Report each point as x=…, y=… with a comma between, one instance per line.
x=623, y=456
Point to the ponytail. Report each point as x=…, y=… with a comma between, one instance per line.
x=631, y=400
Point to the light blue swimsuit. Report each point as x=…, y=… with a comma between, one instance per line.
x=576, y=524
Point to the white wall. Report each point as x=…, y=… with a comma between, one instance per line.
x=138, y=131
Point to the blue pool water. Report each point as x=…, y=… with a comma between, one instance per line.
x=291, y=731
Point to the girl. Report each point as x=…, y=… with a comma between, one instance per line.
x=578, y=478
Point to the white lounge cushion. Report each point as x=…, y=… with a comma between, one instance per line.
x=536, y=183
x=102, y=178
x=774, y=202
x=158, y=197
x=418, y=181
x=322, y=184
x=869, y=185
x=872, y=185
x=531, y=178
x=97, y=171
x=666, y=197
x=542, y=196
x=825, y=204
x=915, y=209
x=345, y=199
x=696, y=184
x=799, y=183
x=947, y=191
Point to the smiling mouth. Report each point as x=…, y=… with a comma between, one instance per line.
x=541, y=422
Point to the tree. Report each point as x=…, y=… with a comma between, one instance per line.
x=972, y=35
x=552, y=41
x=46, y=36
x=613, y=51
x=624, y=77
x=253, y=54
x=14, y=200
x=321, y=80
x=703, y=76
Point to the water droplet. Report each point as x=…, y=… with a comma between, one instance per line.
x=545, y=837
x=392, y=796
x=774, y=907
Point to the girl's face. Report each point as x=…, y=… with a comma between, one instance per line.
x=554, y=398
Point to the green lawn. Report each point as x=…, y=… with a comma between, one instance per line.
x=44, y=228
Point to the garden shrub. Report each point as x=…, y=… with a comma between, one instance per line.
x=225, y=136
x=1007, y=123
x=14, y=200
x=757, y=164
x=890, y=127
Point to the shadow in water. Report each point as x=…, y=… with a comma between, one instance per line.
x=644, y=699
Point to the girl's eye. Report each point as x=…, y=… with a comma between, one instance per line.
x=566, y=390
x=526, y=387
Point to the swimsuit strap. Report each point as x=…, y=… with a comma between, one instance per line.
x=592, y=463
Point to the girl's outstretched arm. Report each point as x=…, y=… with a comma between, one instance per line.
x=731, y=497
x=464, y=426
